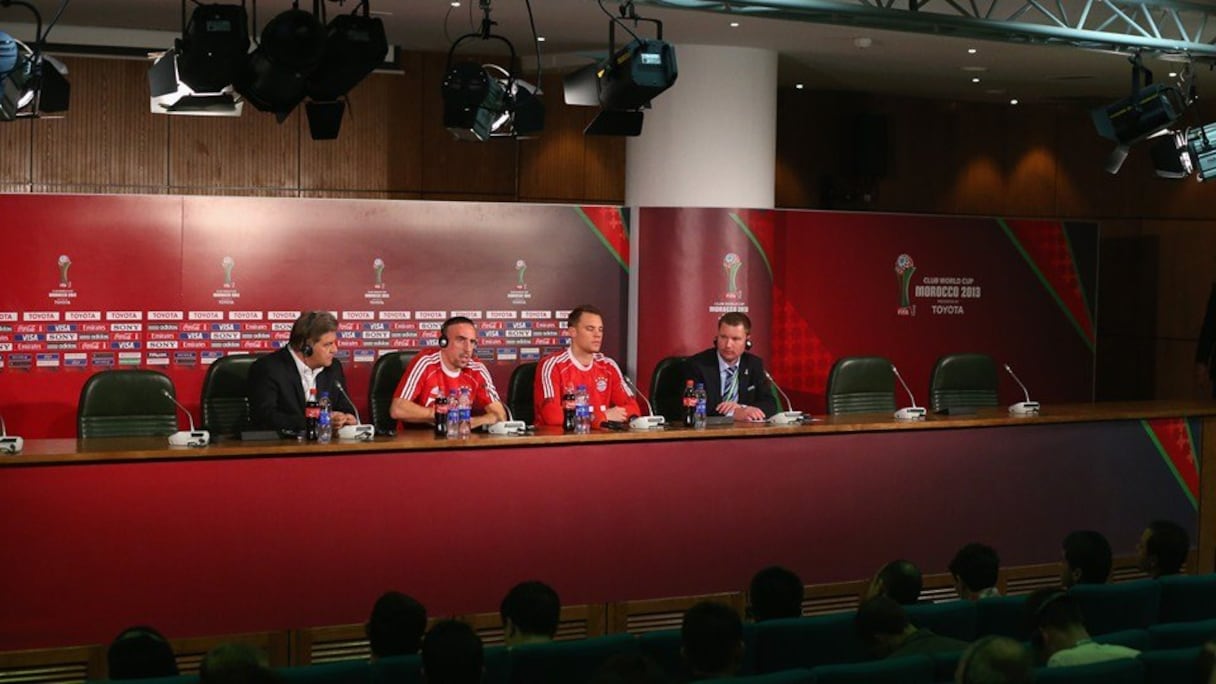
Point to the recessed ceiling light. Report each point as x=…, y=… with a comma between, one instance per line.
x=972, y=51
x=454, y=3
x=976, y=79
x=798, y=86
x=734, y=24
x=540, y=39
x=1173, y=74
x=1013, y=101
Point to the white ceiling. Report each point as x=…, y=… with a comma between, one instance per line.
x=820, y=56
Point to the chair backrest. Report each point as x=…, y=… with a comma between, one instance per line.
x=963, y=381
x=386, y=373
x=1123, y=671
x=665, y=647
x=519, y=392
x=795, y=676
x=917, y=669
x=806, y=642
x=861, y=384
x=1187, y=597
x=1171, y=666
x=126, y=403
x=226, y=394
x=344, y=672
x=1001, y=616
x=1131, y=638
x=1115, y=607
x=956, y=619
x=1182, y=634
x=405, y=669
x=667, y=388
x=562, y=662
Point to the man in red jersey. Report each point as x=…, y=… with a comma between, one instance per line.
x=451, y=367
x=583, y=364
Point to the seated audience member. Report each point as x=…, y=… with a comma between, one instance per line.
x=1087, y=558
x=234, y=663
x=774, y=593
x=995, y=660
x=1057, y=629
x=530, y=613
x=884, y=629
x=452, y=654
x=1163, y=548
x=899, y=579
x=630, y=668
x=396, y=625
x=711, y=641
x=139, y=653
x=975, y=568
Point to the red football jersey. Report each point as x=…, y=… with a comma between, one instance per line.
x=425, y=378
x=605, y=383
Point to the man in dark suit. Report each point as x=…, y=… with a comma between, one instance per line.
x=278, y=382
x=734, y=379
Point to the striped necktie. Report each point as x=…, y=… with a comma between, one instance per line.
x=730, y=390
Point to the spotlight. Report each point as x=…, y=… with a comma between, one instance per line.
x=1171, y=159
x=1201, y=148
x=32, y=83
x=275, y=79
x=354, y=46
x=1146, y=111
x=195, y=77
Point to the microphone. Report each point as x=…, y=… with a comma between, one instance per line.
x=1022, y=408
x=361, y=432
x=649, y=421
x=510, y=426
x=191, y=438
x=784, y=417
x=912, y=412
x=9, y=445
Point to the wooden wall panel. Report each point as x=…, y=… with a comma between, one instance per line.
x=1030, y=151
x=1189, y=247
x=920, y=168
x=252, y=151
x=109, y=140
x=15, y=140
x=976, y=144
x=1174, y=370
x=603, y=166
x=552, y=167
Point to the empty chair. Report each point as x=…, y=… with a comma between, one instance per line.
x=861, y=384
x=226, y=395
x=963, y=381
x=497, y=663
x=1002, y=616
x=1132, y=638
x=1182, y=634
x=806, y=642
x=345, y=672
x=386, y=373
x=955, y=619
x=1185, y=597
x=1125, y=671
x=796, y=676
x=519, y=392
x=403, y=669
x=916, y=669
x=562, y=662
x=1170, y=666
x=667, y=388
x=126, y=403
x=1114, y=607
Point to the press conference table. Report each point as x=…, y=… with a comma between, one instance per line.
x=100, y=534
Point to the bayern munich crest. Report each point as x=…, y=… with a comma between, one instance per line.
x=601, y=384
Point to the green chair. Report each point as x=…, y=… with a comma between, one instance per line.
x=963, y=381
x=795, y=676
x=386, y=373
x=566, y=662
x=665, y=647
x=1187, y=597
x=343, y=672
x=1182, y=634
x=861, y=384
x=1171, y=666
x=1124, y=671
x=126, y=403
x=667, y=388
x=405, y=669
x=956, y=619
x=917, y=669
x=1002, y=616
x=519, y=392
x=807, y=642
x=1131, y=638
x=1116, y=607
x=226, y=395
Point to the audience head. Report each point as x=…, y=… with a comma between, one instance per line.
x=1087, y=558
x=995, y=660
x=1054, y=620
x=899, y=579
x=139, y=653
x=1163, y=548
x=396, y=625
x=882, y=625
x=975, y=568
x=630, y=668
x=711, y=640
x=774, y=593
x=452, y=654
x=234, y=663
x=530, y=612
x=1205, y=668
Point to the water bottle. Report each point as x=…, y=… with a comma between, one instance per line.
x=466, y=413
x=700, y=408
x=582, y=411
x=689, y=404
x=453, y=429
x=312, y=412
x=325, y=429
x=441, y=415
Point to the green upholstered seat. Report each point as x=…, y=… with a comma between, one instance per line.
x=956, y=619
x=861, y=384
x=519, y=392
x=386, y=373
x=1116, y=607
x=563, y=662
x=807, y=642
x=1132, y=638
x=917, y=669
x=226, y=394
x=342, y=672
x=126, y=403
x=1125, y=671
x=1187, y=597
x=795, y=676
x=1182, y=634
x=963, y=381
x=667, y=388
x=1002, y=616
x=1171, y=666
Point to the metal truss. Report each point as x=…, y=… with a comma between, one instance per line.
x=1182, y=30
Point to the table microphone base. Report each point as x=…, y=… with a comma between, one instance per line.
x=647, y=422
x=787, y=418
x=362, y=433
x=508, y=427
x=1024, y=408
x=11, y=445
x=190, y=438
x=910, y=413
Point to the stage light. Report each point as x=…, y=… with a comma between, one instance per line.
x=275, y=78
x=1201, y=147
x=1145, y=112
x=196, y=76
x=1171, y=159
x=32, y=83
x=354, y=46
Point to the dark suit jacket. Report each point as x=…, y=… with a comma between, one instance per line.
x=754, y=387
x=276, y=395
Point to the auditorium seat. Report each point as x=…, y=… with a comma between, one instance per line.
x=406, y=669
x=917, y=669
x=1001, y=615
x=795, y=676
x=664, y=647
x=806, y=642
x=1125, y=671
x=562, y=662
x=1182, y=634
x=497, y=662
x=1132, y=638
x=1114, y=607
x=1186, y=597
x=1170, y=666
x=386, y=373
x=945, y=663
x=344, y=672
x=955, y=619
x=963, y=381
x=519, y=392
x=667, y=388
x=861, y=384
x=126, y=403
x=225, y=398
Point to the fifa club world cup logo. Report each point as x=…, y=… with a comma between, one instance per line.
x=519, y=294
x=521, y=267
x=904, y=268
x=228, y=263
x=731, y=264
x=65, y=263
x=378, y=268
